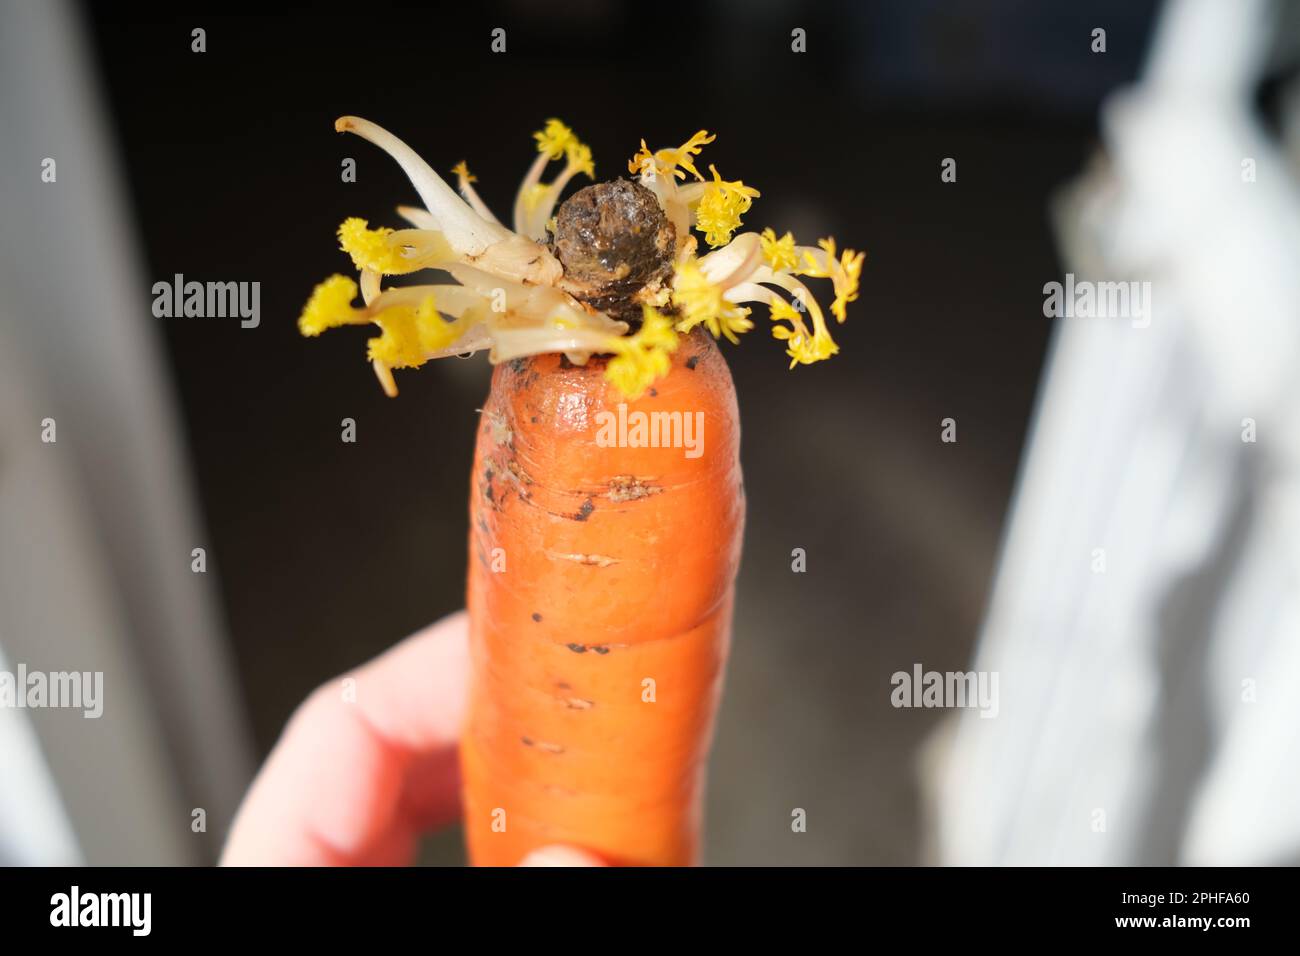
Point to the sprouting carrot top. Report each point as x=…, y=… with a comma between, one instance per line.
x=517, y=296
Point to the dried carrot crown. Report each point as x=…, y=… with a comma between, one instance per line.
x=510, y=291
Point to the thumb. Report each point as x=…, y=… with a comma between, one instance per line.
x=560, y=856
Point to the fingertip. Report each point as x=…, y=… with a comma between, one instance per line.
x=560, y=856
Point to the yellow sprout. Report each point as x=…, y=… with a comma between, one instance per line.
x=580, y=160
x=556, y=140
x=534, y=194
x=702, y=303
x=410, y=334
x=843, y=273
x=643, y=357
x=667, y=161
x=461, y=236
x=802, y=347
x=330, y=306
x=372, y=248
x=721, y=206
x=804, y=350
x=778, y=253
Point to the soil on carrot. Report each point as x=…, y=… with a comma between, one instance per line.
x=502, y=474
x=630, y=488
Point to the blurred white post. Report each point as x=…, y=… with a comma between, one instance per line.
x=96, y=530
x=1145, y=622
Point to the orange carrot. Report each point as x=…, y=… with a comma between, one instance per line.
x=606, y=501
x=599, y=634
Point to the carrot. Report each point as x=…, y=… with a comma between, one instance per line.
x=598, y=642
x=606, y=501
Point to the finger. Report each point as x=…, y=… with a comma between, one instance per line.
x=560, y=856
x=365, y=763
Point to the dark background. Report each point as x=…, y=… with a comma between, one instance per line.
x=327, y=552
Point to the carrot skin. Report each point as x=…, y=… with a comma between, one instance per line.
x=600, y=597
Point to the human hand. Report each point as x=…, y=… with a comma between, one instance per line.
x=356, y=778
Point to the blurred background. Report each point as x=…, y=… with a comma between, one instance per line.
x=1121, y=691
